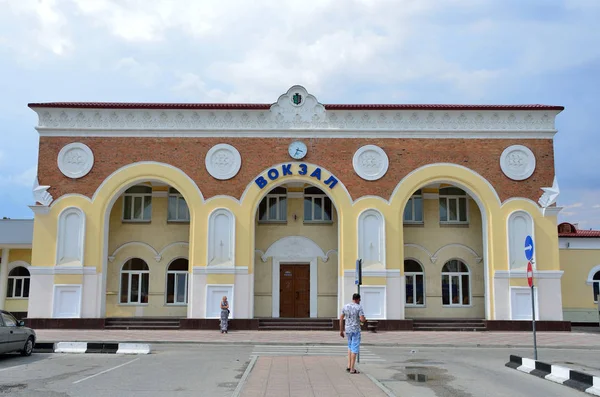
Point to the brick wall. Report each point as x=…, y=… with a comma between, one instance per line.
x=335, y=155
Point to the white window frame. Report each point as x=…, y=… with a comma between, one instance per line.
x=312, y=197
x=456, y=198
x=414, y=280
x=460, y=286
x=14, y=286
x=411, y=202
x=175, y=273
x=130, y=274
x=133, y=196
x=177, y=196
x=279, y=217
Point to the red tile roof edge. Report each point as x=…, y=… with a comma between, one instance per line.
x=263, y=106
x=582, y=234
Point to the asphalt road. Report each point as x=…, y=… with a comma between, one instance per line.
x=171, y=370
x=466, y=372
x=208, y=370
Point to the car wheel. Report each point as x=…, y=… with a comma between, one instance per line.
x=28, y=348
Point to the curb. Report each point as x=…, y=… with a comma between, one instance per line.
x=291, y=343
x=92, y=347
x=557, y=374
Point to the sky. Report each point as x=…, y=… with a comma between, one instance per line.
x=342, y=51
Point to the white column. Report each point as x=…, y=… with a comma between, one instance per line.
x=3, y=276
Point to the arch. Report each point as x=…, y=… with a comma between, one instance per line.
x=171, y=245
x=519, y=225
x=221, y=238
x=294, y=247
x=590, y=277
x=339, y=195
x=14, y=264
x=157, y=256
x=480, y=190
x=435, y=255
x=70, y=238
x=419, y=247
x=120, y=180
x=371, y=237
x=253, y=194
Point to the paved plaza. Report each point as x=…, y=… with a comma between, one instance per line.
x=583, y=340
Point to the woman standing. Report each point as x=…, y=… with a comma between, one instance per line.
x=224, y=315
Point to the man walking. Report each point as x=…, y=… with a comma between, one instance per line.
x=354, y=315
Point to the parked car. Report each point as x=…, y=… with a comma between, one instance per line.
x=15, y=336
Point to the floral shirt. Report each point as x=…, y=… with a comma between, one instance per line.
x=352, y=312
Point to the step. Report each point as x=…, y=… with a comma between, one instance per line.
x=294, y=328
x=474, y=324
x=449, y=328
x=140, y=327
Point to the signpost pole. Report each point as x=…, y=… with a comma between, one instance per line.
x=533, y=317
x=358, y=282
x=529, y=255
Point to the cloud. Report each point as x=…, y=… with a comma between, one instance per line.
x=145, y=73
x=19, y=180
x=576, y=205
x=596, y=206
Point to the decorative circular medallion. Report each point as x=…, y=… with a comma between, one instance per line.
x=370, y=162
x=75, y=160
x=223, y=161
x=517, y=162
x=297, y=150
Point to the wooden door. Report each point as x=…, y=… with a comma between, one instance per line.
x=294, y=291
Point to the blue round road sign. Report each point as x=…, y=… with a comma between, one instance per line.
x=528, y=248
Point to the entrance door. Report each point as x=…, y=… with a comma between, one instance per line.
x=294, y=281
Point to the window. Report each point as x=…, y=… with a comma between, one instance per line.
x=596, y=286
x=413, y=212
x=413, y=273
x=273, y=208
x=18, y=283
x=177, y=278
x=317, y=206
x=178, y=209
x=453, y=205
x=455, y=284
x=137, y=204
x=134, y=282
x=9, y=321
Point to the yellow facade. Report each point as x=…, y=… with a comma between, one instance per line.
x=486, y=236
x=578, y=298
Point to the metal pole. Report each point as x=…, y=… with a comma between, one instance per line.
x=533, y=318
x=358, y=354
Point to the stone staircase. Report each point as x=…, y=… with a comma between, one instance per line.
x=443, y=324
x=147, y=323
x=300, y=324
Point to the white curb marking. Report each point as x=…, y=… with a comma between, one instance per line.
x=70, y=347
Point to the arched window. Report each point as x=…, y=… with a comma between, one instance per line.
x=273, y=208
x=137, y=204
x=177, y=282
x=135, y=276
x=414, y=275
x=455, y=284
x=596, y=285
x=18, y=283
x=178, y=209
